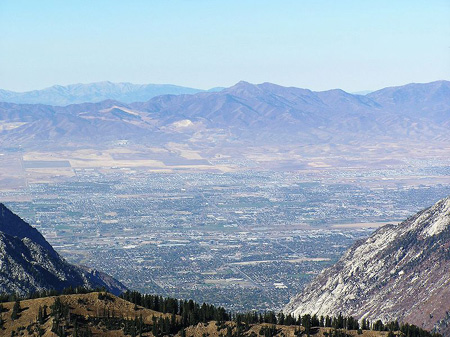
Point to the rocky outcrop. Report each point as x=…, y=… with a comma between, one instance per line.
x=400, y=272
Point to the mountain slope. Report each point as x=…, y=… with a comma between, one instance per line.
x=12, y=225
x=422, y=98
x=93, y=92
x=400, y=272
x=261, y=114
x=28, y=263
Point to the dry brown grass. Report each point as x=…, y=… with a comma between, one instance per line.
x=90, y=306
x=211, y=330
x=86, y=305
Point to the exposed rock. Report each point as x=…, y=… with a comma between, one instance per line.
x=400, y=272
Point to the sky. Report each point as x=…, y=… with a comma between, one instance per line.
x=315, y=44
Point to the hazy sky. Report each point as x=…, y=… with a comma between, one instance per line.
x=316, y=44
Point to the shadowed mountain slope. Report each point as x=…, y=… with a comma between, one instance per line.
x=30, y=264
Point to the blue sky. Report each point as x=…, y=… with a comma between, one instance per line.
x=316, y=44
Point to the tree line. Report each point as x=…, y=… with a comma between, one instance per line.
x=185, y=313
x=6, y=297
x=192, y=313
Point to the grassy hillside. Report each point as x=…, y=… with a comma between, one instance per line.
x=103, y=314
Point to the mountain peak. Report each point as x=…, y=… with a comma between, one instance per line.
x=437, y=218
x=244, y=89
x=242, y=85
x=414, y=94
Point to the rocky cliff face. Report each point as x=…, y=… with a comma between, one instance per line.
x=28, y=263
x=400, y=272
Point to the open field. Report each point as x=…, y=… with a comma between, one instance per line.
x=361, y=225
x=302, y=259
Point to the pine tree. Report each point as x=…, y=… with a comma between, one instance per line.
x=155, y=328
x=140, y=325
x=322, y=322
x=306, y=322
x=364, y=324
x=15, y=310
x=75, y=329
x=378, y=326
x=315, y=321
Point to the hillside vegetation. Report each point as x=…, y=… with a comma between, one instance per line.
x=103, y=314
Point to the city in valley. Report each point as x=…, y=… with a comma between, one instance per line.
x=245, y=238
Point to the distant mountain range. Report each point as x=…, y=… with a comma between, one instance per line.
x=401, y=272
x=95, y=92
x=30, y=264
x=255, y=114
